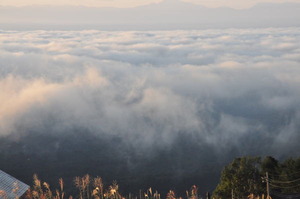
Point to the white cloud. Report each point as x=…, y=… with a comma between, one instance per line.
x=149, y=86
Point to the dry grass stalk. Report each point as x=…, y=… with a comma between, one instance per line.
x=3, y=194
x=171, y=195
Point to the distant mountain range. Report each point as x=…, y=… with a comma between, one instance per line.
x=169, y=14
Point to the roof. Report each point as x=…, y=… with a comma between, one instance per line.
x=10, y=187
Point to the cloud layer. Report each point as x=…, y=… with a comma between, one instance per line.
x=235, y=88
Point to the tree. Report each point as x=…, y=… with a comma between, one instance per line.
x=270, y=165
x=288, y=180
x=240, y=178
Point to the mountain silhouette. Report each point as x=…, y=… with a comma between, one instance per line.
x=168, y=14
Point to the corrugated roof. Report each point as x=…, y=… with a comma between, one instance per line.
x=10, y=187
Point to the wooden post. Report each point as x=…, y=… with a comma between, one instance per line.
x=268, y=188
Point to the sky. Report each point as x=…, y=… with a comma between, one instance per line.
x=239, y=4
x=171, y=74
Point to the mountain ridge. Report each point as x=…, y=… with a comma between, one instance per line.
x=163, y=15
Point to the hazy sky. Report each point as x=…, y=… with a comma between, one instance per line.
x=132, y=3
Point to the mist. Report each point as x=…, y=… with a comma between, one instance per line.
x=199, y=98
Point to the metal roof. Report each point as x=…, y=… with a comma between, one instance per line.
x=10, y=187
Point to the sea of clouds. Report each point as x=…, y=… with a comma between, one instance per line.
x=226, y=88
